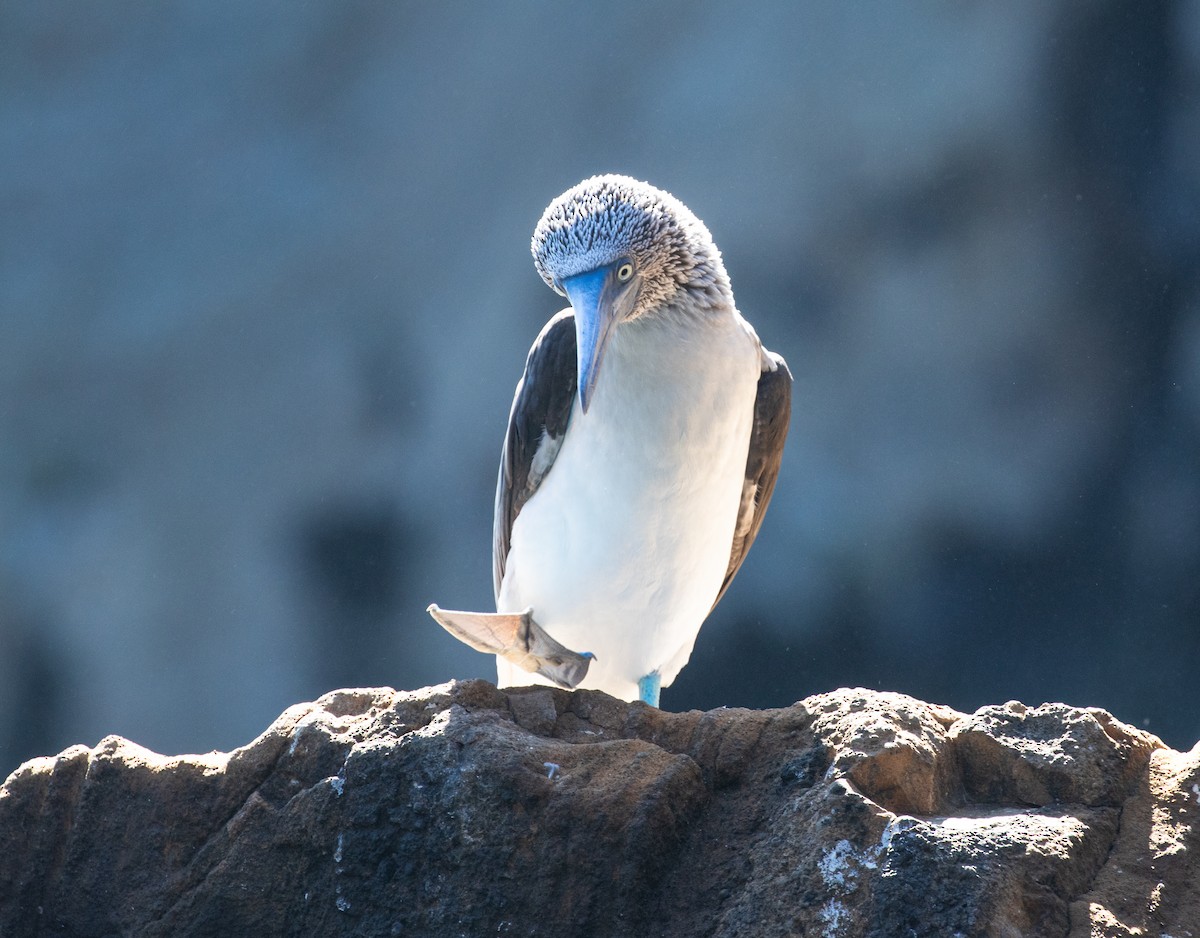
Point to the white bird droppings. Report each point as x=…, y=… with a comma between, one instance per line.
x=833, y=917
x=836, y=865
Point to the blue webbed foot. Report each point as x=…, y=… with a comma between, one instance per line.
x=648, y=688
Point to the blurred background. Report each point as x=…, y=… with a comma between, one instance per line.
x=265, y=291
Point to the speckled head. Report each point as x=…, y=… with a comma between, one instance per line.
x=606, y=218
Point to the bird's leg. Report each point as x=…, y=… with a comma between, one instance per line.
x=648, y=688
x=519, y=639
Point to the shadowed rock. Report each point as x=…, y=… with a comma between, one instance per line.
x=464, y=810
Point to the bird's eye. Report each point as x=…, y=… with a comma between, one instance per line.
x=625, y=271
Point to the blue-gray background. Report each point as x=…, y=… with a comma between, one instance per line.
x=265, y=291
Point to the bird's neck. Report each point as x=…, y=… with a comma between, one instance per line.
x=698, y=307
x=678, y=330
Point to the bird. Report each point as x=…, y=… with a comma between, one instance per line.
x=643, y=445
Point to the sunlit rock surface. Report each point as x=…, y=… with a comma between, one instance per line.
x=465, y=810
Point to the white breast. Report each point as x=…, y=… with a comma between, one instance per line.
x=623, y=549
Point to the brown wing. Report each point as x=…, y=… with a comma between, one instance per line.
x=772, y=411
x=537, y=423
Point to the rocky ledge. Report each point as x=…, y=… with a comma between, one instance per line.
x=466, y=810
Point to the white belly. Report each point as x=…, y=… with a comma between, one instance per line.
x=623, y=549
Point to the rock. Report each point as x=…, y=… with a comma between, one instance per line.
x=465, y=810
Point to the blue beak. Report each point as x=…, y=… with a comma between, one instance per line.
x=593, y=296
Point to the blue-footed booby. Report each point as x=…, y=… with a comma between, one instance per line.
x=643, y=446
